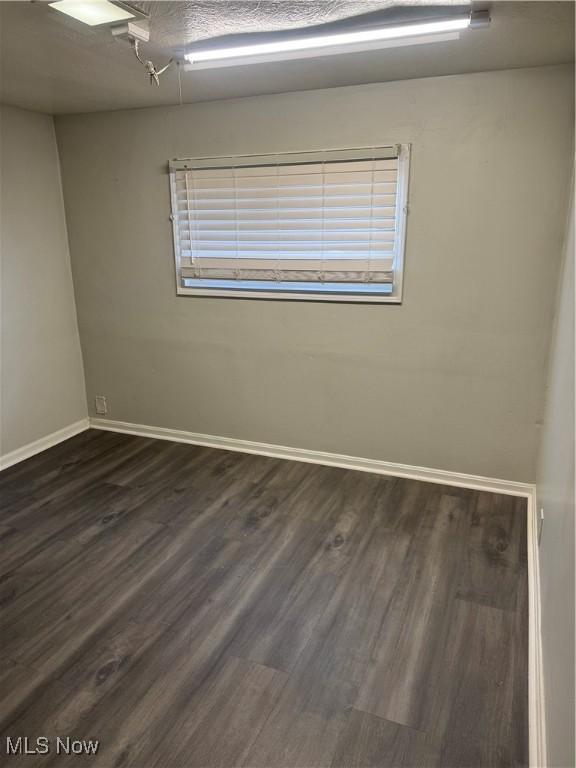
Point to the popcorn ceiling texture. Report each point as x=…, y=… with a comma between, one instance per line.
x=56, y=65
x=176, y=24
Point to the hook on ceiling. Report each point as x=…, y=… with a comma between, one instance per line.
x=151, y=70
x=136, y=32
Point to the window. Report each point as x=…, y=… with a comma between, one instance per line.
x=317, y=225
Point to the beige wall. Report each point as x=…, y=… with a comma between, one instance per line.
x=556, y=497
x=453, y=378
x=42, y=381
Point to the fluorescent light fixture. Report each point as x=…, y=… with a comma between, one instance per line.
x=339, y=42
x=93, y=12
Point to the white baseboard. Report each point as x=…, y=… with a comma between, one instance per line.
x=319, y=457
x=537, y=729
x=537, y=723
x=20, y=454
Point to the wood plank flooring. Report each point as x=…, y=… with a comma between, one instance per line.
x=196, y=608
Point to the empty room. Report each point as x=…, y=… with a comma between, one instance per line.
x=287, y=384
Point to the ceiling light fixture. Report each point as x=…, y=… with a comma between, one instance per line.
x=94, y=12
x=337, y=42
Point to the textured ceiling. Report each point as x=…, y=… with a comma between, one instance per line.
x=176, y=24
x=52, y=63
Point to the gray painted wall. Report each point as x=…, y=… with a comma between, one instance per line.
x=556, y=496
x=42, y=381
x=453, y=378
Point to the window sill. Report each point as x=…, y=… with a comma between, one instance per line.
x=345, y=293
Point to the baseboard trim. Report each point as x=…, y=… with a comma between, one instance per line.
x=31, y=449
x=536, y=690
x=537, y=722
x=537, y=729
x=318, y=457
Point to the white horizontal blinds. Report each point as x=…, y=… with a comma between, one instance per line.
x=310, y=221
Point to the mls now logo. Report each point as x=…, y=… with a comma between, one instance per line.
x=22, y=745
x=25, y=746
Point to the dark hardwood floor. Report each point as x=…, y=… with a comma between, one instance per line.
x=191, y=607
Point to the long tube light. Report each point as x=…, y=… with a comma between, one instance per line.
x=338, y=42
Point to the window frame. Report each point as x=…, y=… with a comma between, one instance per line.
x=277, y=294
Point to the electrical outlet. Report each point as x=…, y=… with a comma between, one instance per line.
x=540, y=524
x=101, y=405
